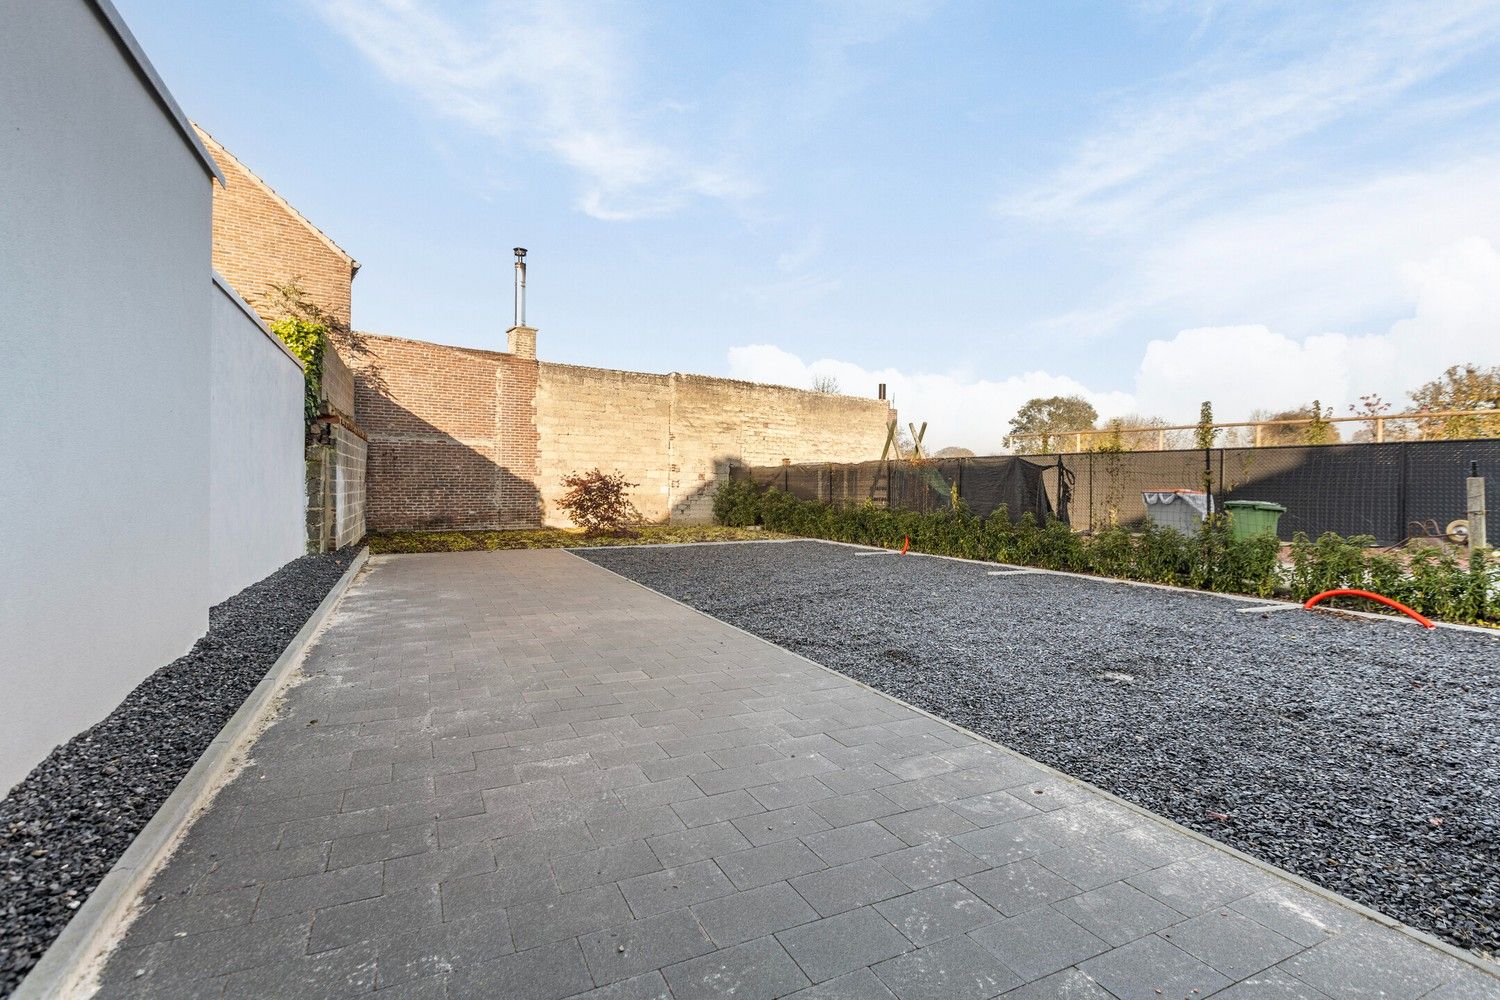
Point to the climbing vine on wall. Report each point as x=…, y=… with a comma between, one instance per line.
x=304, y=327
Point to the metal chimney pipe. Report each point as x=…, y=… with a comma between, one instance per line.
x=520, y=253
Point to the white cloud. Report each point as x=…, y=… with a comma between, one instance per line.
x=1453, y=298
x=552, y=76
x=959, y=410
x=1178, y=143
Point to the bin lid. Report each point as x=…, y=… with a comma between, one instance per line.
x=1254, y=505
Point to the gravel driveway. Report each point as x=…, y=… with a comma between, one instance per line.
x=1362, y=755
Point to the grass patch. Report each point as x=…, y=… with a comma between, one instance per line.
x=557, y=538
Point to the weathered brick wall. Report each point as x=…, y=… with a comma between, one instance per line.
x=260, y=240
x=461, y=438
x=439, y=447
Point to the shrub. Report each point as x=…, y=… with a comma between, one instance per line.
x=1210, y=559
x=307, y=340
x=597, y=503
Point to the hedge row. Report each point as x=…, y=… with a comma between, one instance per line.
x=1431, y=582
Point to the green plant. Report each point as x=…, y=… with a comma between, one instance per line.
x=1210, y=559
x=308, y=341
x=597, y=503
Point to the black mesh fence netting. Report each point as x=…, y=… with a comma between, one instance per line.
x=1391, y=491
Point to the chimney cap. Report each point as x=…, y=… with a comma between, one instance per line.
x=519, y=252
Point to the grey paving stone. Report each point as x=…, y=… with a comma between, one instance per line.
x=782, y=824
x=1004, y=844
x=1230, y=942
x=1204, y=882
x=194, y=914
x=855, y=807
x=1070, y=984
x=756, y=970
x=651, y=986
x=1275, y=985
x=935, y=913
x=922, y=826
x=673, y=888
x=853, y=843
x=793, y=792
x=1469, y=984
x=940, y=861
x=237, y=871
x=393, y=913
x=542, y=845
x=861, y=985
x=642, y=946
x=383, y=845
x=1156, y=845
x=1371, y=961
x=342, y=972
x=833, y=946
x=859, y=778
x=1151, y=968
x=659, y=793
x=697, y=844
x=955, y=969
x=1038, y=943
x=778, y=862
x=1089, y=866
x=1300, y=916
x=1019, y=887
x=848, y=886
x=436, y=867
x=606, y=864
x=497, y=890
x=634, y=825
x=550, y=972
x=566, y=916
x=310, y=892
x=755, y=913
x=1118, y=913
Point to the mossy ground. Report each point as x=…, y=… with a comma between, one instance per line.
x=555, y=538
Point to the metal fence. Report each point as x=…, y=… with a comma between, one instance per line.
x=1392, y=491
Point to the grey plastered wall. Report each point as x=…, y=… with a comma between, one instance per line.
x=256, y=494
x=104, y=378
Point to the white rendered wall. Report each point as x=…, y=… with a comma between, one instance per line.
x=105, y=287
x=257, y=507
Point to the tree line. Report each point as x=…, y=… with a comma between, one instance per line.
x=1046, y=424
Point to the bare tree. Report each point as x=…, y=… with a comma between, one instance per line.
x=825, y=383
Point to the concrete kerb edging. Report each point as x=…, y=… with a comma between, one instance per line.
x=66, y=967
x=1467, y=957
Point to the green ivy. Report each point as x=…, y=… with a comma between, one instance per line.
x=308, y=341
x=1431, y=583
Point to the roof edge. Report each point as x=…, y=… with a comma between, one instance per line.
x=206, y=136
x=132, y=50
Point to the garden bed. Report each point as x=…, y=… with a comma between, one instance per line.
x=66, y=823
x=555, y=538
x=1361, y=754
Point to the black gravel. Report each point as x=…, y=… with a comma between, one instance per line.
x=1363, y=756
x=67, y=822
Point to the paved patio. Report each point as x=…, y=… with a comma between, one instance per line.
x=516, y=775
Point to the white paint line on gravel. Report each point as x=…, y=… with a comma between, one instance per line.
x=1009, y=572
x=70, y=966
x=882, y=552
x=1271, y=607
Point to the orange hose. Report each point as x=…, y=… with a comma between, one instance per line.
x=906, y=545
x=1350, y=592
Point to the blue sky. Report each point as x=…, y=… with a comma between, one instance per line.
x=1148, y=203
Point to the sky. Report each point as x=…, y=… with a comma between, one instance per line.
x=1146, y=203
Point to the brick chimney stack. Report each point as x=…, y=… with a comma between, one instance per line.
x=522, y=341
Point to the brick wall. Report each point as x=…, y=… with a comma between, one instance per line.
x=461, y=438
x=260, y=240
